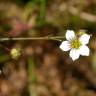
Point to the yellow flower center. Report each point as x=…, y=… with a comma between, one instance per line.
x=75, y=43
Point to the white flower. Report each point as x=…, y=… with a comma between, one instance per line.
x=76, y=45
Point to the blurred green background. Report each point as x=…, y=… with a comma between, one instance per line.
x=40, y=67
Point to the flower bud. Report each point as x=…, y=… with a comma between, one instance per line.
x=15, y=53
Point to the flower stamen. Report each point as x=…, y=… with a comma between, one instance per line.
x=75, y=44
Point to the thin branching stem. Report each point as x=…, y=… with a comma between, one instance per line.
x=56, y=38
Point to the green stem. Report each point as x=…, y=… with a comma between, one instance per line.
x=57, y=38
x=31, y=77
x=42, y=11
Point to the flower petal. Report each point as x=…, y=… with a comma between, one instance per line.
x=84, y=50
x=74, y=54
x=65, y=45
x=84, y=39
x=70, y=35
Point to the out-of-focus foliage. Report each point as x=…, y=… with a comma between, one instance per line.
x=42, y=69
